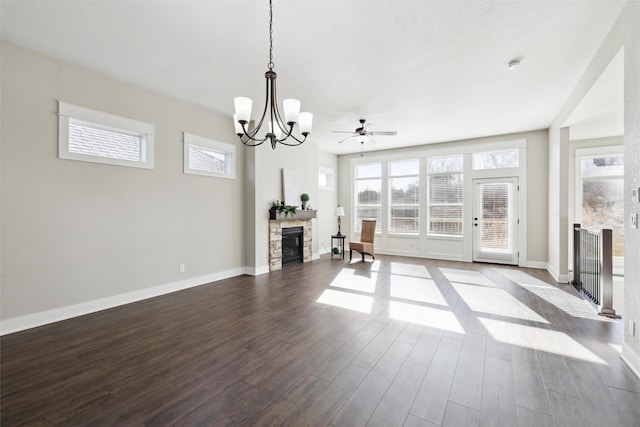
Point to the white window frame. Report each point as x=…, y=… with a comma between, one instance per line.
x=586, y=153
x=354, y=182
x=480, y=153
x=68, y=112
x=391, y=205
x=428, y=203
x=229, y=151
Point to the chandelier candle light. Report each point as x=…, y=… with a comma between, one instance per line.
x=279, y=130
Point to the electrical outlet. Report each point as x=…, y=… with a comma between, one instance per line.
x=181, y=268
x=632, y=328
x=634, y=220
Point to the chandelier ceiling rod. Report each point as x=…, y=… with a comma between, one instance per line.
x=279, y=130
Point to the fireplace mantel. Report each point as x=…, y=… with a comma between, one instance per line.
x=278, y=215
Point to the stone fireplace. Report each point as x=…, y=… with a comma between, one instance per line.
x=276, y=227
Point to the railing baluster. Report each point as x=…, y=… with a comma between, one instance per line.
x=606, y=274
x=593, y=267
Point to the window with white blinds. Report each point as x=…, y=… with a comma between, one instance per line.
x=445, y=195
x=368, y=186
x=204, y=156
x=404, y=194
x=95, y=136
x=495, y=218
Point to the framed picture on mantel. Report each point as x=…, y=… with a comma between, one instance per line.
x=291, y=186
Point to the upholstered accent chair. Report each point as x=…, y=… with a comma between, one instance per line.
x=365, y=245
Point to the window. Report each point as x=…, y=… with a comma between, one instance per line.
x=204, y=156
x=404, y=193
x=368, y=185
x=496, y=159
x=95, y=136
x=601, y=199
x=445, y=195
x=325, y=178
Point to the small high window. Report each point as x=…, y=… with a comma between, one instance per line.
x=95, y=136
x=325, y=178
x=204, y=156
x=496, y=159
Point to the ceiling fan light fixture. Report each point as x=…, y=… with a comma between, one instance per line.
x=513, y=64
x=280, y=129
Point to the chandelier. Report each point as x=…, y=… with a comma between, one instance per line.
x=279, y=130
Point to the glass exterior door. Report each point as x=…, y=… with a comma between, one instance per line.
x=495, y=220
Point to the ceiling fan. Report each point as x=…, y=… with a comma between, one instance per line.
x=364, y=132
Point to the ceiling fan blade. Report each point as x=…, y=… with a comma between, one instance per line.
x=342, y=131
x=393, y=132
x=346, y=139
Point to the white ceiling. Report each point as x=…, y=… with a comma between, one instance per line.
x=432, y=70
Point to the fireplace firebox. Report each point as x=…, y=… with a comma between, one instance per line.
x=292, y=245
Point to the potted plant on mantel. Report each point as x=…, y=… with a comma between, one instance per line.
x=305, y=198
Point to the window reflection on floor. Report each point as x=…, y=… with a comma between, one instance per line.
x=426, y=316
x=540, y=339
x=346, y=300
x=410, y=294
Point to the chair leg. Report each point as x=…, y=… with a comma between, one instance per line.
x=362, y=256
x=350, y=254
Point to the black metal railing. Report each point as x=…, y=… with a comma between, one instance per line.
x=593, y=267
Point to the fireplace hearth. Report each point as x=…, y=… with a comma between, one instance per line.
x=279, y=244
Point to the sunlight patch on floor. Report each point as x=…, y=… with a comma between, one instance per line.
x=350, y=301
x=416, y=289
x=375, y=265
x=426, y=316
x=570, y=304
x=412, y=270
x=495, y=301
x=539, y=339
x=351, y=279
x=467, y=276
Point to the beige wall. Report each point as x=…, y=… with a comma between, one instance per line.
x=326, y=203
x=76, y=232
x=625, y=34
x=537, y=182
x=266, y=165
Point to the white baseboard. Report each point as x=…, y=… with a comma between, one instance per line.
x=560, y=278
x=29, y=321
x=413, y=254
x=631, y=359
x=537, y=264
x=256, y=271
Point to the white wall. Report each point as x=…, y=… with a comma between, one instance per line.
x=267, y=165
x=625, y=33
x=326, y=203
x=78, y=236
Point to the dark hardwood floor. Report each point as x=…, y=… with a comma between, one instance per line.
x=400, y=341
